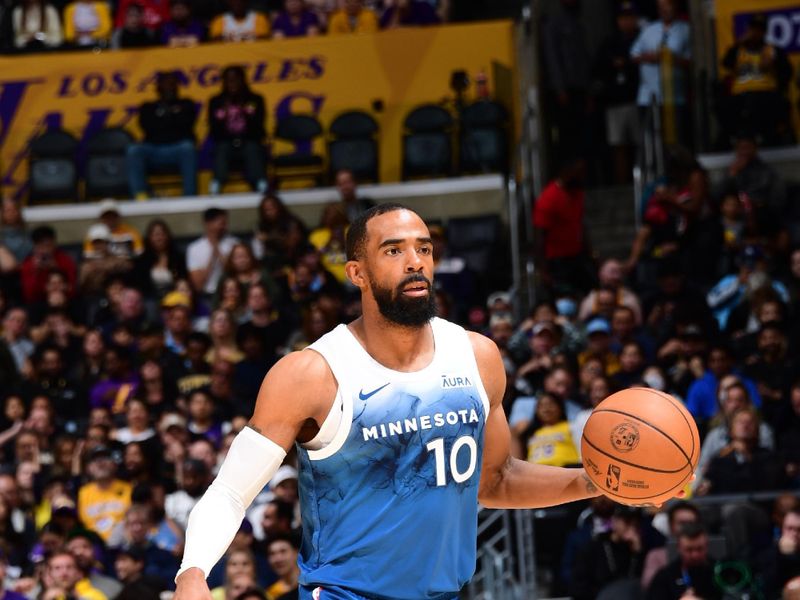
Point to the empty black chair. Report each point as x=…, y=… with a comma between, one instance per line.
x=53, y=174
x=300, y=130
x=353, y=145
x=427, y=145
x=106, y=164
x=484, y=141
x=475, y=239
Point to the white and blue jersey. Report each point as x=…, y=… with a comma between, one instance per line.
x=389, y=504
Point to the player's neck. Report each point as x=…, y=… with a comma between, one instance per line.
x=396, y=347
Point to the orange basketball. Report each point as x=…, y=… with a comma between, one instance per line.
x=640, y=446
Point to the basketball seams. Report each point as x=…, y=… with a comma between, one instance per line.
x=659, y=430
x=630, y=464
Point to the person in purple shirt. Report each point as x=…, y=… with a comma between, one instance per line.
x=295, y=21
x=182, y=30
x=119, y=383
x=409, y=13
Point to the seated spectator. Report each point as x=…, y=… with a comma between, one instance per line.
x=759, y=75
x=132, y=33
x=789, y=440
x=138, y=526
x=119, y=384
x=543, y=340
x=610, y=557
x=409, y=13
x=282, y=551
x=295, y=21
x=155, y=13
x=168, y=125
x=99, y=263
x=44, y=259
x=15, y=336
x=329, y=239
x=354, y=204
x=64, y=579
x=631, y=366
x=182, y=30
x=87, y=23
x=193, y=478
x=13, y=232
x=773, y=370
x=239, y=24
x=137, y=423
x=239, y=562
x=236, y=120
x=274, y=228
x=548, y=440
x=103, y=501
x=156, y=270
x=206, y=256
x=781, y=562
x=222, y=330
x=353, y=18
x=82, y=545
x=691, y=574
x=598, y=343
x=130, y=569
x=611, y=277
x=36, y=25
x=679, y=515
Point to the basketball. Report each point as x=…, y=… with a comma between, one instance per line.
x=640, y=446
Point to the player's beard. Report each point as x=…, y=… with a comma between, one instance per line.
x=402, y=310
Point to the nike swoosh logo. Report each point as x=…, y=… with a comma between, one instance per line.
x=363, y=396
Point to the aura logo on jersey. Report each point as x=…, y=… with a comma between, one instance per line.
x=450, y=381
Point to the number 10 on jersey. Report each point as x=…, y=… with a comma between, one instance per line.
x=437, y=447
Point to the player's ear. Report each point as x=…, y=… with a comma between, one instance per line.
x=355, y=273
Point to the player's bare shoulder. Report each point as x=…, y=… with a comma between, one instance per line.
x=490, y=365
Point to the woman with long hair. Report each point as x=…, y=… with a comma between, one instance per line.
x=548, y=440
x=276, y=233
x=222, y=330
x=243, y=267
x=161, y=265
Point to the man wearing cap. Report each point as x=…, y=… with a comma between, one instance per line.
x=124, y=240
x=103, y=501
x=99, y=262
x=598, y=344
x=206, y=256
x=177, y=317
x=759, y=74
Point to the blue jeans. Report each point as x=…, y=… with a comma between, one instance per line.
x=179, y=154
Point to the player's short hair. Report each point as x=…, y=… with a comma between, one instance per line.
x=357, y=233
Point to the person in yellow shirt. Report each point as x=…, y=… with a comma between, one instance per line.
x=65, y=580
x=550, y=442
x=87, y=23
x=102, y=503
x=239, y=24
x=329, y=239
x=126, y=241
x=353, y=18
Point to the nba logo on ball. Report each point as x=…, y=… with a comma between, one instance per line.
x=612, y=478
x=624, y=437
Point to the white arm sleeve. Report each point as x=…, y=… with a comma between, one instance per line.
x=251, y=462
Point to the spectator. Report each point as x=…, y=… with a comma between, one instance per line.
x=182, y=30
x=611, y=276
x=36, y=25
x=295, y=21
x=194, y=478
x=64, y=579
x=702, y=398
x=15, y=336
x=168, y=125
x=548, y=440
x=354, y=204
x=772, y=369
x=130, y=566
x=7, y=594
x=409, y=13
x=239, y=562
x=353, y=18
x=282, y=553
x=202, y=424
x=759, y=74
x=618, y=76
x=276, y=227
x=87, y=23
x=81, y=544
x=132, y=33
x=125, y=240
x=13, y=232
x=679, y=515
x=610, y=557
x=631, y=366
x=119, y=384
x=45, y=258
x=781, y=562
x=99, y=263
x=156, y=270
x=563, y=250
x=663, y=50
x=155, y=13
x=264, y=320
x=206, y=256
x=239, y=24
x=691, y=574
x=598, y=389
x=543, y=341
x=329, y=239
x=160, y=565
x=102, y=501
x=568, y=63
x=598, y=344
x=236, y=119
x=137, y=423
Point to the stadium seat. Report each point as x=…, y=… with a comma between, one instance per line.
x=474, y=239
x=53, y=174
x=300, y=130
x=106, y=164
x=483, y=141
x=353, y=145
x=427, y=145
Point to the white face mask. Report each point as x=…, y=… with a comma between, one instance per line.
x=653, y=379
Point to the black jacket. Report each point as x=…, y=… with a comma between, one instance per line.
x=168, y=122
x=670, y=583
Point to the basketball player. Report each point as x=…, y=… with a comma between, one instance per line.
x=401, y=432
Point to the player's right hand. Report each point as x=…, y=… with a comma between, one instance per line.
x=191, y=585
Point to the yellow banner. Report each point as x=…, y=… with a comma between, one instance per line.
x=783, y=31
x=386, y=74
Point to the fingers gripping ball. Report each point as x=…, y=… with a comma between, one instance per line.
x=640, y=446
